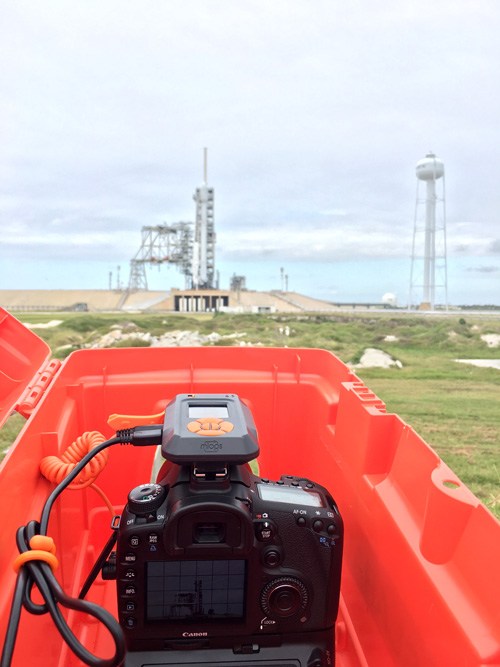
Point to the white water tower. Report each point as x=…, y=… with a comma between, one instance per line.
x=428, y=275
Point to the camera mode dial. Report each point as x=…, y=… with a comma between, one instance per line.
x=146, y=498
x=283, y=597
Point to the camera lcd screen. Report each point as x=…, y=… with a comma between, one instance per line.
x=195, y=590
x=217, y=411
x=289, y=495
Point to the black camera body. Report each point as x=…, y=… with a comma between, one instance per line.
x=214, y=558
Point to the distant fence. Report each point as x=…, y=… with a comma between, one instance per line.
x=75, y=308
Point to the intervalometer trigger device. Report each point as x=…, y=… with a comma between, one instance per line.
x=209, y=427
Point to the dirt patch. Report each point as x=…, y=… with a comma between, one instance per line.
x=491, y=340
x=43, y=325
x=481, y=363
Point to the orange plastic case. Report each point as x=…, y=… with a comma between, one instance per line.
x=421, y=574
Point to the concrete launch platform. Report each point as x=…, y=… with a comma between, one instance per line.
x=249, y=301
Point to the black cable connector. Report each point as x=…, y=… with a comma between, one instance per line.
x=141, y=436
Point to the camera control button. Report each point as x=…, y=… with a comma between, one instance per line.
x=130, y=558
x=129, y=606
x=130, y=574
x=130, y=622
x=272, y=558
x=318, y=526
x=129, y=590
x=301, y=521
x=134, y=540
x=332, y=529
x=264, y=531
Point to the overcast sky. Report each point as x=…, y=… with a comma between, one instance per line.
x=314, y=113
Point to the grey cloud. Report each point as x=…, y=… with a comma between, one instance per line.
x=484, y=269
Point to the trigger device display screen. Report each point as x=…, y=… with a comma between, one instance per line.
x=195, y=590
x=216, y=411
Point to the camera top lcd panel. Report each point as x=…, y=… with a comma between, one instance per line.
x=209, y=427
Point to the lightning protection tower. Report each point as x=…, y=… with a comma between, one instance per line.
x=428, y=257
x=203, y=265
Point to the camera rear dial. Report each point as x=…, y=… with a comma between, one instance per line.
x=284, y=597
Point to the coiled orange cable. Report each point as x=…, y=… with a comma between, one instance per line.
x=56, y=468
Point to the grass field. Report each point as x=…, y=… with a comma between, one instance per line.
x=454, y=407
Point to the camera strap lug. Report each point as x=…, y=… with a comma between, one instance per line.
x=106, y=562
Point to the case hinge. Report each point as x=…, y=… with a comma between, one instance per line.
x=35, y=391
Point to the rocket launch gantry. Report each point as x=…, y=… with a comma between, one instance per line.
x=192, y=250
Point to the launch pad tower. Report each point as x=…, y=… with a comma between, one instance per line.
x=192, y=251
x=203, y=263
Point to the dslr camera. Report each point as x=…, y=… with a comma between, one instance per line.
x=218, y=566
